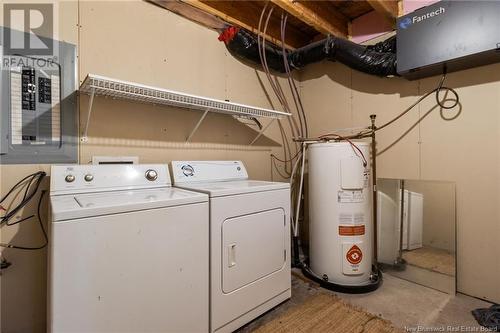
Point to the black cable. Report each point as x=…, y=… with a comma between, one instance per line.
x=21, y=220
x=16, y=186
x=27, y=188
x=24, y=198
x=4, y=263
x=37, y=177
x=441, y=103
x=256, y=121
x=33, y=182
x=367, y=132
x=45, y=236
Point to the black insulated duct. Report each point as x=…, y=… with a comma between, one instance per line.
x=378, y=59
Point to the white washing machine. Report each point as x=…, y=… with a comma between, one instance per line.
x=249, y=240
x=128, y=253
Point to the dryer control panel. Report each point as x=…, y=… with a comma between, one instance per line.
x=207, y=171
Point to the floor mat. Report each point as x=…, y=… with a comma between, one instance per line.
x=327, y=314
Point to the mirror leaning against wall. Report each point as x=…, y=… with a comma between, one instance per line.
x=416, y=231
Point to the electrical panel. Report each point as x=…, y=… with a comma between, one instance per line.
x=38, y=120
x=35, y=115
x=448, y=36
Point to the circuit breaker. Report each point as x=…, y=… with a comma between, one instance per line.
x=39, y=108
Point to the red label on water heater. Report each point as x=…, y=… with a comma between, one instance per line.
x=358, y=230
x=354, y=255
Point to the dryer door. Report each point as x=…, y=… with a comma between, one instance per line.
x=253, y=246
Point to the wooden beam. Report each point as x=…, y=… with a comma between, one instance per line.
x=317, y=15
x=191, y=13
x=249, y=12
x=388, y=8
x=248, y=23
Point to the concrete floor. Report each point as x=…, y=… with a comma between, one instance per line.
x=407, y=305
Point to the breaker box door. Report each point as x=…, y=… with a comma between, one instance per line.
x=38, y=118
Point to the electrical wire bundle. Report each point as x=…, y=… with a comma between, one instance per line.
x=293, y=154
x=30, y=185
x=299, y=129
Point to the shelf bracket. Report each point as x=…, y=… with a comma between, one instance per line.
x=197, y=126
x=262, y=131
x=89, y=112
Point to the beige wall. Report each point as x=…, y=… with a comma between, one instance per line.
x=464, y=150
x=136, y=41
x=439, y=212
x=163, y=49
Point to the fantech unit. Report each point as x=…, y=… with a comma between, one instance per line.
x=448, y=36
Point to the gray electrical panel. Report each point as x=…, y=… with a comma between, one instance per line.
x=39, y=113
x=448, y=36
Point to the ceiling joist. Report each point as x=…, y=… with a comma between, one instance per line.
x=247, y=19
x=308, y=20
x=390, y=9
x=191, y=13
x=317, y=15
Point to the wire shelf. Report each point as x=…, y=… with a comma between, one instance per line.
x=103, y=86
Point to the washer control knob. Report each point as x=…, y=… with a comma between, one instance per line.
x=151, y=175
x=88, y=177
x=69, y=178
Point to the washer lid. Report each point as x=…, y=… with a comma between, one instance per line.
x=65, y=207
x=218, y=189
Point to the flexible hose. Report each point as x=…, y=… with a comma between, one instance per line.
x=299, y=195
x=367, y=132
x=439, y=102
x=292, y=180
x=277, y=89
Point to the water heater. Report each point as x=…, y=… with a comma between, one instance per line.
x=340, y=213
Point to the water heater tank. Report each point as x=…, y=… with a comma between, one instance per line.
x=340, y=212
